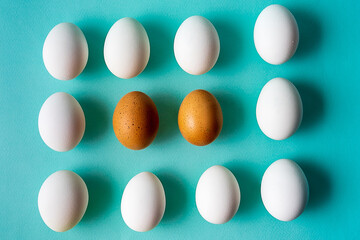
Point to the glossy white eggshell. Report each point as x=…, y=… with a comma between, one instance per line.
x=62, y=200
x=127, y=48
x=65, y=51
x=276, y=34
x=143, y=202
x=279, y=109
x=196, y=45
x=61, y=122
x=217, y=195
x=284, y=190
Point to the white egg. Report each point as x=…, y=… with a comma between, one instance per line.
x=196, y=45
x=62, y=200
x=143, y=202
x=279, y=109
x=276, y=34
x=217, y=195
x=284, y=190
x=65, y=51
x=127, y=48
x=61, y=122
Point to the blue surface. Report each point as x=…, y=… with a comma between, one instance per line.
x=325, y=69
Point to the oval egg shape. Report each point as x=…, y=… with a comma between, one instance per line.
x=200, y=118
x=65, y=51
x=127, y=48
x=143, y=202
x=61, y=122
x=62, y=200
x=276, y=34
x=217, y=195
x=196, y=45
x=279, y=109
x=136, y=120
x=284, y=190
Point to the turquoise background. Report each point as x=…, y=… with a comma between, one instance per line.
x=325, y=69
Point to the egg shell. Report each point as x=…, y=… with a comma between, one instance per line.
x=200, y=118
x=284, y=190
x=61, y=122
x=279, y=109
x=62, y=200
x=136, y=120
x=217, y=195
x=276, y=34
x=143, y=202
x=127, y=48
x=65, y=51
x=196, y=45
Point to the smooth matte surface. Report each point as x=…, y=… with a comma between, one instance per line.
x=326, y=146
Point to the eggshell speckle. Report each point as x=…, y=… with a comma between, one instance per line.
x=65, y=51
x=196, y=45
x=284, y=190
x=279, y=109
x=200, y=118
x=217, y=195
x=61, y=122
x=276, y=34
x=127, y=48
x=143, y=202
x=136, y=120
x=62, y=200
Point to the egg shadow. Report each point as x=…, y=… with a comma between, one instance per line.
x=101, y=195
x=168, y=107
x=176, y=197
x=320, y=186
x=97, y=118
x=95, y=36
x=232, y=110
x=310, y=32
x=161, y=44
x=249, y=186
x=230, y=43
x=313, y=104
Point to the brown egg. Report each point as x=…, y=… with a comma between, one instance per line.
x=200, y=118
x=136, y=120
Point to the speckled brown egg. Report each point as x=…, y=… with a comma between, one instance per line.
x=200, y=118
x=136, y=120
